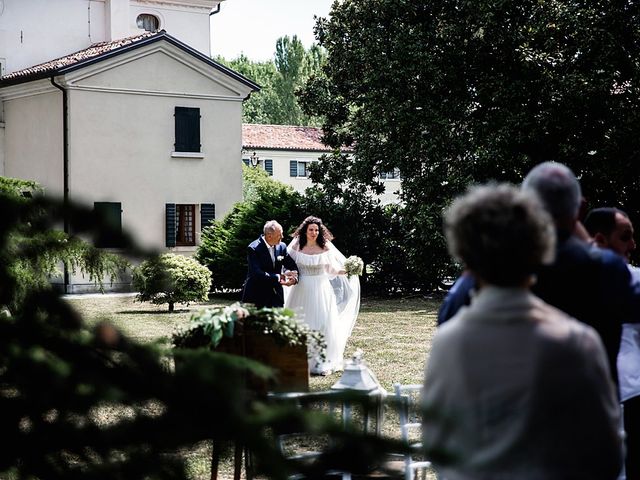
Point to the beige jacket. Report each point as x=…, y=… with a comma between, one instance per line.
x=516, y=389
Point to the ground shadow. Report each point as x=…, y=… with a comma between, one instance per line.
x=151, y=312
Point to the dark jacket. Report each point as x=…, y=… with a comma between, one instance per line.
x=262, y=287
x=592, y=285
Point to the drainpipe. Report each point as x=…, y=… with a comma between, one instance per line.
x=211, y=14
x=65, y=168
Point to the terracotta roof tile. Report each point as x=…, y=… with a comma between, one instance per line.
x=283, y=137
x=93, y=51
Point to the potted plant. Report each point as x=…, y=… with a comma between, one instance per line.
x=272, y=336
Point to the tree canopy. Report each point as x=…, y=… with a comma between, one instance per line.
x=276, y=103
x=459, y=92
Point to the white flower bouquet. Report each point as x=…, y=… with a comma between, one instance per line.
x=353, y=265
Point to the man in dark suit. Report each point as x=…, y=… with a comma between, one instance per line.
x=586, y=282
x=270, y=267
x=590, y=284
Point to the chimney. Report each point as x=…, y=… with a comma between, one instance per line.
x=117, y=19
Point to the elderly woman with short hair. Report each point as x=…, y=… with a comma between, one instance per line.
x=515, y=389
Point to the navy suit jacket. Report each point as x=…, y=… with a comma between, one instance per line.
x=592, y=285
x=262, y=286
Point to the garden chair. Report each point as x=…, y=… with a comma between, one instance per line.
x=302, y=446
x=407, y=398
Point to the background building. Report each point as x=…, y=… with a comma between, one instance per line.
x=285, y=152
x=142, y=125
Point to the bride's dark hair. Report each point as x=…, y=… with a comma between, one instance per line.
x=324, y=235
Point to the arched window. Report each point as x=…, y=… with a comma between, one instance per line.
x=148, y=22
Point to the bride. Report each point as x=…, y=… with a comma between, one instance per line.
x=324, y=297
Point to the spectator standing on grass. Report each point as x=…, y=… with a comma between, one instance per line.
x=586, y=282
x=515, y=388
x=612, y=229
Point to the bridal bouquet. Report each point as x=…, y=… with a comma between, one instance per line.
x=353, y=265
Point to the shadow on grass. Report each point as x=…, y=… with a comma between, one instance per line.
x=152, y=312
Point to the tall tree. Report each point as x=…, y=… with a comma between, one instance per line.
x=262, y=105
x=280, y=79
x=290, y=63
x=456, y=92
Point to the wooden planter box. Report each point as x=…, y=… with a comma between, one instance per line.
x=290, y=362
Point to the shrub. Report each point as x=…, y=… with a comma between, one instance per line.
x=171, y=279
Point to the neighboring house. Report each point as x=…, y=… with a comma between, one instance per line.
x=285, y=152
x=145, y=128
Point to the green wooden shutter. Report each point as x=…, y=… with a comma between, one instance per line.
x=187, y=123
x=170, y=224
x=207, y=215
x=268, y=166
x=246, y=161
x=293, y=168
x=110, y=214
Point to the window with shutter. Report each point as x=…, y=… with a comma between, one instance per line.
x=268, y=166
x=185, y=225
x=302, y=169
x=246, y=161
x=110, y=215
x=187, y=129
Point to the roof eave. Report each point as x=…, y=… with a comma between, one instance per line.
x=162, y=35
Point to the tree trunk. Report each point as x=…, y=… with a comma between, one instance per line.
x=170, y=307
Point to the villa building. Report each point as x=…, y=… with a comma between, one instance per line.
x=116, y=104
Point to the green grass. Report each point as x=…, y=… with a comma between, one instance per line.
x=395, y=335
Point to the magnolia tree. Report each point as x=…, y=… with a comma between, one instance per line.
x=171, y=279
x=452, y=93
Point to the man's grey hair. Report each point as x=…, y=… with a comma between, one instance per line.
x=557, y=187
x=271, y=226
x=501, y=233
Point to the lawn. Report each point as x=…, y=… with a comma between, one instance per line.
x=395, y=335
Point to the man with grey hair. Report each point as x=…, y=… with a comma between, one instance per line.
x=269, y=268
x=588, y=283
x=515, y=388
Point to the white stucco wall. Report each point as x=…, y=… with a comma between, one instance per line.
x=121, y=152
x=33, y=140
x=37, y=31
x=122, y=139
x=189, y=24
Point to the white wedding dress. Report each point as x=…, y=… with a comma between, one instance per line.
x=325, y=301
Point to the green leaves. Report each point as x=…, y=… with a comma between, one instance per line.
x=171, y=279
x=34, y=247
x=454, y=93
x=280, y=80
x=280, y=323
